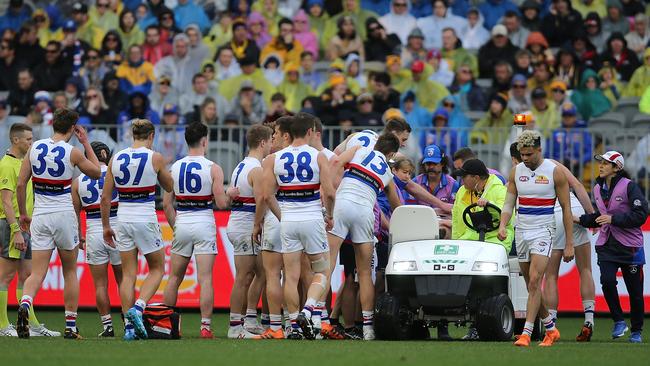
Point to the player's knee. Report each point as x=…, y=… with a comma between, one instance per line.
x=321, y=265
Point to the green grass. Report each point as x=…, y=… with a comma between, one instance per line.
x=193, y=351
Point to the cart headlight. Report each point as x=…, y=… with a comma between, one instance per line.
x=485, y=267
x=405, y=266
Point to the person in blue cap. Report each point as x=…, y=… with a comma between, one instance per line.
x=447, y=139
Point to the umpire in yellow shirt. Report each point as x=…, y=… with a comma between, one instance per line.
x=480, y=187
x=15, y=249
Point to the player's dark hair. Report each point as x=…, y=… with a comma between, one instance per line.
x=64, y=120
x=18, y=128
x=318, y=125
x=397, y=125
x=387, y=143
x=99, y=147
x=284, y=124
x=514, y=152
x=256, y=134
x=194, y=132
x=464, y=153
x=142, y=129
x=302, y=122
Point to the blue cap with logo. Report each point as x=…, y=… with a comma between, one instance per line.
x=170, y=109
x=69, y=26
x=432, y=154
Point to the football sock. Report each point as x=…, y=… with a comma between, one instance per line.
x=206, y=323
x=139, y=306
x=549, y=324
x=276, y=321
x=553, y=313
x=127, y=324
x=251, y=317
x=316, y=317
x=265, y=320
x=4, y=320
x=528, y=329
x=235, y=320
x=107, y=321
x=71, y=320
x=26, y=302
x=294, y=323
x=324, y=315
x=310, y=304
x=32, y=314
x=368, y=319
x=589, y=306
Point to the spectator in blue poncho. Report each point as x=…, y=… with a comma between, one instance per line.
x=493, y=10
x=187, y=13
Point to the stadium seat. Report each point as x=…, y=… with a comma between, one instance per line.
x=629, y=107
x=474, y=116
x=486, y=84
x=413, y=222
x=641, y=120
x=608, y=121
x=227, y=155
x=624, y=142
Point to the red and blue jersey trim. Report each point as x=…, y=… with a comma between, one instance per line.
x=243, y=204
x=137, y=194
x=358, y=172
x=536, y=206
x=194, y=203
x=51, y=187
x=298, y=193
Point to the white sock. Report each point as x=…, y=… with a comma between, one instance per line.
x=589, y=307
x=235, y=320
x=310, y=304
x=276, y=321
x=140, y=305
x=206, y=323
x=368, y=319
x=107, y=321
x=553, y=313
x=528, y=328
x=549, y=324
x=251, y=317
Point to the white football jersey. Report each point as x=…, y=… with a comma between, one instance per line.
x=536, y=196
x=365, y=138
x=193, y=189
x=366, y=175
x=298, y=176
x=329, y=154
x=243, y=207
x=90, y=193
x=135, y=180
x=52, y=173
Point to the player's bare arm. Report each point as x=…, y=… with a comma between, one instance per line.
x=105, y=205
x=164, y=177
x=262, y=194
x=21, y=191
x=168, y=208
x=421, y=194
x=76, y=203
x=338, y=150
x=562, y=193
x=391, y=194
x=508, y=206
x=578, y=188
x=327, y=189
x=220, y=198
x=88, y=163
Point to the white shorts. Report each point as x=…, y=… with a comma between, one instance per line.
x=97, y=252
x=271, y=240
x=54, y=230
x=308, y=236
x=537, y=241
x=355, y=221
x=145, y=236
x=581, y=235
x=194, y=238
x=242, y=242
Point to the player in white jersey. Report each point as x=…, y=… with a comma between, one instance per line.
x=300, y=175
x=368, y=138
x=86, y=195
x=197, y=183
x=50, y=163
x=535, y=184
x=135, y=171
x=580, y=204
x=367, y=174
x=247, y=178
x=266, y=231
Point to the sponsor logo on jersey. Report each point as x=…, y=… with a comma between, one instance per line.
x=524, y=178
x=541, y=179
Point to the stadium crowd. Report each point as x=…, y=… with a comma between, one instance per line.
x=243, y=63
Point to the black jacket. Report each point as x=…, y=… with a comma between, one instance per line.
x=32, y=54
x=489, y=55
x=21, y=101
x=558, y=28
x=368, y=119
x=9, y=74
x=377, y=49
x=635, y=218
x=52, y=77
x=626, y=68
x=380, y=105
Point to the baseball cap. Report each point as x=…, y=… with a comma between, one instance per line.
x=432, y=154
x=499, y=30
x=417, y=67
x=558, y=84
x=416, y=33
x=79, y=7
x=441, y=112
x=393, y=59
x=472, y=167
x=42, y=96
x=363, y=97
x=170, y=109
x=569, y=109
x=538, y=93
x=246, y=84
x=519, y=78
x=613, y=157
x=392, y=113
x=337, y=79
x=69, y=26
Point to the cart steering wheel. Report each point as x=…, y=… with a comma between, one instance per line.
x=481, y=221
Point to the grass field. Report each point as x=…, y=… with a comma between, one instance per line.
x=194, y=351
